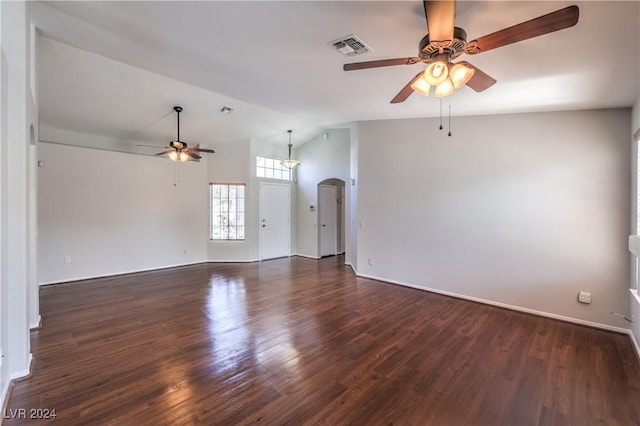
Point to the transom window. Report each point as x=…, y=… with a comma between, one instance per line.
x=271, y=168
x=227, y=211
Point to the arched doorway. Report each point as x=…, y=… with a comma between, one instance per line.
x=331, y=217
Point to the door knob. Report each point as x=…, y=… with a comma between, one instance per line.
x=323, y=225
x=263, y=225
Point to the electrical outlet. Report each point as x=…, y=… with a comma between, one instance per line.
x=584, y=297
x=67, y=259
x=371, y=261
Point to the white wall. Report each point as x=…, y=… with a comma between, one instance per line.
x=634, y=301
x=352, y=206
x=17, y=116
x=230, y=164
x=236, y=162
x=524, y=210
x=271, y=150
x=635, y=126
x=320, y=159
x=4, y=243
x=114, y=213
x=33, y=289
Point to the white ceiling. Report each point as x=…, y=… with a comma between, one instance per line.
x=271, y=62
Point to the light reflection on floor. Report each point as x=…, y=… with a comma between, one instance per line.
x=245, y=335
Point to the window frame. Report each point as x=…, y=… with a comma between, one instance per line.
x=239, y=208
x=274, y=169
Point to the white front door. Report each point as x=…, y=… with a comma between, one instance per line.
x=327, y=219
x=274, y=220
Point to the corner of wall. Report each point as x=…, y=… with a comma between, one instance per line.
x=17, y=107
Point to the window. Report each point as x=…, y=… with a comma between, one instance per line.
x=272, y=169
x=227, y=211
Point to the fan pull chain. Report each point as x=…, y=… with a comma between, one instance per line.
x=449, y=134
x=176, y=179
x=440, y=114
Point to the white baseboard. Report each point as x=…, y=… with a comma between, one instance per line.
x=3, y=397
x=133, y=271
x=24, y=374
x=504, y=305
x=635, y=301
x=351, y=266
x=634, y=342
x=21, y=375
x=234, y=261
x=306, y=255
x=37, y=325
x=317, y=257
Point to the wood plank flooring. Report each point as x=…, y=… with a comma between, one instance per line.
x=298, y=341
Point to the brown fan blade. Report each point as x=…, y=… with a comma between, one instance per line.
x=203, y=150
x=480, y=81
x=380, y=63
x=441, y=16
x=165, y=152
x=406, y=90
x=554, y=21
x=191, y=154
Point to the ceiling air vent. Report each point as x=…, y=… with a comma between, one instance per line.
x=350, y=45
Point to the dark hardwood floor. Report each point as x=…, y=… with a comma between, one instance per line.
x=298, y=341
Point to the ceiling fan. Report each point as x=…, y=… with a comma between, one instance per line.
x=178, y=150
x=446, y=42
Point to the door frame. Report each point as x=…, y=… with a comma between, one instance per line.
x=335, y=219
x=260, y=216
x=340, y=214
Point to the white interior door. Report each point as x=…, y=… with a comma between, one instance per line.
x=274, y=220
x=327, y=219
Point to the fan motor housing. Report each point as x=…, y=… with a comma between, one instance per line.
x=428, y=49
x=178, y=145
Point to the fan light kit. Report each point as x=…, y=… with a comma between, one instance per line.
x=446, y=77
x=289, y=163
x=446, y=42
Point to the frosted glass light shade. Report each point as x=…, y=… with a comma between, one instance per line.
x=178, y=156
x=436, y=73
x=421, y=86
x=290, y=164
x=445, y=88
x=460, y=75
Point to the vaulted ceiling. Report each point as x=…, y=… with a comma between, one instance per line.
x=115, y=69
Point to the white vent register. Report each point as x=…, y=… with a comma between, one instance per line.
x=350, y=45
